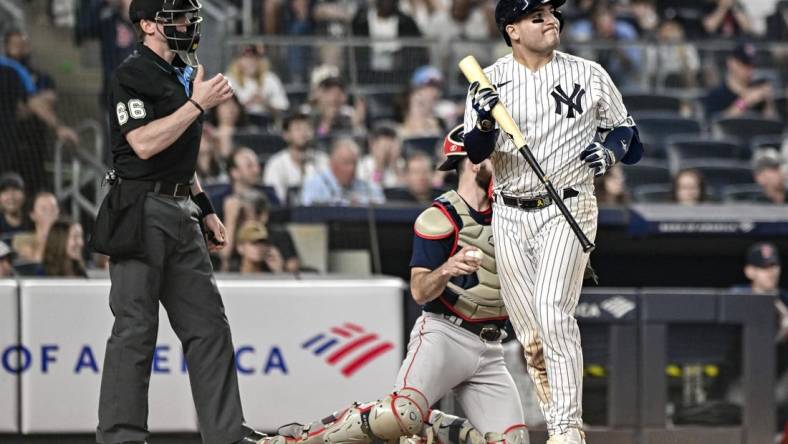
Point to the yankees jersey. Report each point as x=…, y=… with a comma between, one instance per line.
x=559, y=109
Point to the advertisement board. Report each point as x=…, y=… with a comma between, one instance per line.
x=9, y=349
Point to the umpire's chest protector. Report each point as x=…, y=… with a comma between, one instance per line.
x=479, y=300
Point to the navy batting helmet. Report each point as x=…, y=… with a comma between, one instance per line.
x=509, y=11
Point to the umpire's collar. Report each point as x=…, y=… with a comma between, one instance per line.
x=152, y=56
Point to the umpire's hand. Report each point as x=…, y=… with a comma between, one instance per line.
x=462, y=262
x=214, y=232
x=211, y=92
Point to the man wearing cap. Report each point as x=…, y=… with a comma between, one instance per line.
x=12, y=200
x=455, y=345
x=767, y=172
x=739, y=93
x=258, y=254
x=157, y=100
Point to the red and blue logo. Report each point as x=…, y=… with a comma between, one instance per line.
x=347, y=346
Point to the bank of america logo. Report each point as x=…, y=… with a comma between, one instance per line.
x=347, y=346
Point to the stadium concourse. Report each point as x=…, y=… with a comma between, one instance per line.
x=325, y=155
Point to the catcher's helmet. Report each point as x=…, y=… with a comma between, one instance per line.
x=509, y=11
x=453, y=149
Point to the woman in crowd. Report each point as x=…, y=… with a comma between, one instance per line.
x=63, y=250
x=689, y=187
x=259, y=89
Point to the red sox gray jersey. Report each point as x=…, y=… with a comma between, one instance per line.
x=559, y=109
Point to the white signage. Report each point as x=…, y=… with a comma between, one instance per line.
x=303, y=350
x=8, y=354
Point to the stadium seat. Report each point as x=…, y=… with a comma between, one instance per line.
x=759, y=143
x=264, y=144
x=655, y=128
x=743, y=193
x=640, y=103
x=424, y=144
x=218, y=192
x=720, y=173
x=681, y=149
x=744, y=129
x=653, y=193
x=647, y=172
x=381, y=106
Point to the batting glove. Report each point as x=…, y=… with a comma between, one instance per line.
x=483, y=101
x=598, y=158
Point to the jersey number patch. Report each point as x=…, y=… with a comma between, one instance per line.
x=135, y=110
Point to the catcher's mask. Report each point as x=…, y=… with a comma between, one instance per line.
x=176, y=14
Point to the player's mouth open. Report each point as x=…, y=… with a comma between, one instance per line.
x=550, y=28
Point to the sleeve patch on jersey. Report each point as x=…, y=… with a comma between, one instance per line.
x=135, y=110
x=432, y=224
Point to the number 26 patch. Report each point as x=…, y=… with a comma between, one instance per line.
x=136, y=109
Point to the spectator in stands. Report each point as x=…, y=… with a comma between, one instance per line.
x=257, y=208
x=227, y=119
x=418, y=114
x=13, y=218
x=117, y=38
x=645, y=16
x=291, y=166
x=726, y=19
x=297, y=21
x=430, y=79
x=689, y=187
x=44, y=213
x=382, y=20
x=6, y=261
x=767, y=172
x=423, y=11
x=622, y=62
x=329, y=110
x=384, y=164
x=32, y=111
x=739, y=93
x=338, y=184
x=258, y=255
x=258, y=88
x=63, y=250
x=418, y=181
x=611, y=188
x=244, y=169
x=676, y=62
x=463, y=20
x=209, y=163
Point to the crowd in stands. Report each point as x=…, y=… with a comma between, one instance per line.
x=305, y=130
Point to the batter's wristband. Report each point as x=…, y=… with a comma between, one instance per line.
x=197, y=105
x=204, y=203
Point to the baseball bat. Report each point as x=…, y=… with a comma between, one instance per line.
x=474, y=73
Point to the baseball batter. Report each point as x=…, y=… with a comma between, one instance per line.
x=577, y=127
x=455, y=344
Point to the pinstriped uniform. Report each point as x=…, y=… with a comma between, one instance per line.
x=559, y=110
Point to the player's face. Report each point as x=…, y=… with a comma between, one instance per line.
x=537, y=32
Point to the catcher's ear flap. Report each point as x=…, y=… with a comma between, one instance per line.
x=636, y=149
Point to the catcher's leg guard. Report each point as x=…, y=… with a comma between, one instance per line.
x=516, y=434
x=399, y=414
x=449, y=429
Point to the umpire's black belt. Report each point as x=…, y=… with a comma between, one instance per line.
x=163, y=187
x=534, y=203
x=486, y=331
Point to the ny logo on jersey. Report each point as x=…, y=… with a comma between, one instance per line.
x=574, y=102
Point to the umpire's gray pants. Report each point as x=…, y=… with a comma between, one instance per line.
x=177, y=272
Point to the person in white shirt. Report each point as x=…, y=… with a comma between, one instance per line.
x=259, y=89
x=291, y=166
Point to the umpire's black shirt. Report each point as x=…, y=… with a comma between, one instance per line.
x=145, y=88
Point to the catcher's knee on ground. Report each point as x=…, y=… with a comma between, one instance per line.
x=448, y=429
x=399, y=414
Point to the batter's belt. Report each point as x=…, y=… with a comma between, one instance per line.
x=533, y=203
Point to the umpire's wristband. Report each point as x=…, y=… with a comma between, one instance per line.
x=204, y=203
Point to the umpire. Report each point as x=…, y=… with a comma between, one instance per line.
x=150, y=225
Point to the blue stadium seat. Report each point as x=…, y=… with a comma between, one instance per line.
x=426, y=145
x=640, y=103
x=681, y=149
x=264, y=144
x=720, y=173
x=647, y=172
x=653, y=193
x=656, y=128
x=744, y=129
x=774, y=142
x=743, y=193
